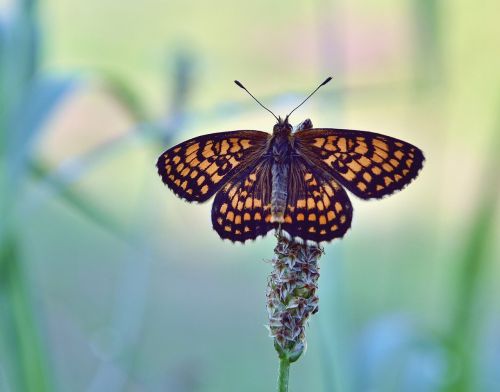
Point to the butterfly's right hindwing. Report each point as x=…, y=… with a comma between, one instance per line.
x=197, y=168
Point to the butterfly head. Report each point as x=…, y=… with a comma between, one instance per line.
x=282, y=127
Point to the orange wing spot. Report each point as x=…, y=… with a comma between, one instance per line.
x=246, y=229
x=379, y=187
x=300, y=217
x=319, y=142
x=200, y=180
x=185, y=172
x=354, y=166
x=328, y=190
x=397, y=177
x=224, y=146
x=376, y=170
x=382, y=153
x=192, y=148
x=232, y=192
x=207, y=152
x=398, y=154
x=342, y=144
x=288, y=219
x=233, y=162
x=216, y=178
x=326, y=201
x=398, y=144
x=176, y=159
x=330, y=147
x=252, y=177
x=204, y=189
x=219, y=220
x=343, y=218
x=361, y=186
x=184, y=185
x=330, y=215
x=364, y=161
x=230, y=216
x=237, y=232
x=257, y=203
x=361, y=149
x=387, y=167
x=203, y=165
x=330, y=160
x=179, y=167
x=177, y=182
x=320, y=205
x=189, y=191
x=334, y=228
x=223, y=208
x=257, y=216
x=212, y=169
x=177, y=149
x=377, y=158
x=322, y=220
x=237, y=219
x=409, y=162
x=387, y=180
x=240, y=206
x=405, y=172
x=301, y=203
x=171, y=177
x=246, y=216
x=227, y=228
x=193, y=174
x=312, y=230
x=308, y=176
x=268, y=218
x=248, y=202
x=245, y=143
x=367, y=176
x=338, y=207
x=350, y=175
x=310, y=203
x=168, y=169
x=380, y=144
x=394, y=162
x=193, y=162
x=311, y=217
x=322, y=232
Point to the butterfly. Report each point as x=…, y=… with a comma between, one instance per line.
x=291, y=180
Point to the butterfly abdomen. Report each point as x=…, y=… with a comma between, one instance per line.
x=280, y=168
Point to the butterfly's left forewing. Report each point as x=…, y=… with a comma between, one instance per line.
x=197, y=168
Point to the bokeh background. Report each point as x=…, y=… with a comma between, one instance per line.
x=108, y=282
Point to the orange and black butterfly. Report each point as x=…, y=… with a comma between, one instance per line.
x=292, y=181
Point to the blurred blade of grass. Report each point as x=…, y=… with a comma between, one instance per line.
x=28, y=118
x=473, y=260
x=81, y=204
x=20, y=344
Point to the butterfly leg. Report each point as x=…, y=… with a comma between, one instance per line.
x=306, y=124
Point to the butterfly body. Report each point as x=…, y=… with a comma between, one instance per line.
x=289, y=181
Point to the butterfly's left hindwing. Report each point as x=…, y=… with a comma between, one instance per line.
x=242, y=208
x=197, y=168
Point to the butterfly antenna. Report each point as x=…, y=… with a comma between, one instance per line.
x=310, y=95
x=256, y=100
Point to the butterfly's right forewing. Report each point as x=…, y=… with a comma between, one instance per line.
x=197, y=168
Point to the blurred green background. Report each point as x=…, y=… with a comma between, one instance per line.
x=108, y=282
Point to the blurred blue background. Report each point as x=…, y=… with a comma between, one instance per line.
x=108, y=282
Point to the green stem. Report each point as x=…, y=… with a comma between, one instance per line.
x=284, y=373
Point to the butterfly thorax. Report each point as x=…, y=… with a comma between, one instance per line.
x=280, y=149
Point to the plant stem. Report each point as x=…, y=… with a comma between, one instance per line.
x=284, y=373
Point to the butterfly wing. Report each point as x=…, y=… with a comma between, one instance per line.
x=318, y=209
x=242, y=209
x=199, y=167
x=368, y=164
